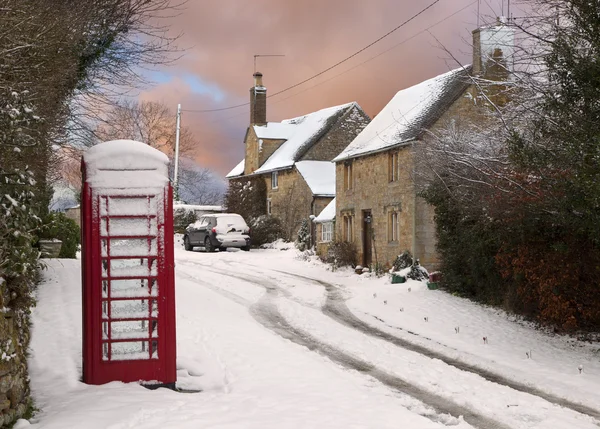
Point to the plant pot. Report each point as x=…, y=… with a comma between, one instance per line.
x=398, y=279
x=432, y=285
x=50, y=248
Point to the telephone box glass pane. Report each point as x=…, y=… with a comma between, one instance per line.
x=129, y=247
x=129, y=227
x=123, y=206
x=130, y=350
x=130, y=309
x=130, y=329
x=132, y=288
x=137, y=267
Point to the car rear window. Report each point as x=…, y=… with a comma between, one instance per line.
x=232, y=221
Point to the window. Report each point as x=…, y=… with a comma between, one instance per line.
x=393, y=167
x=393, y=225
x=327, y=231
x=348, y=176
x=274, y=180
x=269, y=208
x=347, y=228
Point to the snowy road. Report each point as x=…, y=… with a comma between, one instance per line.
x=278, y=342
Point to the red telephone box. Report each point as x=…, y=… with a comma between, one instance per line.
x=127, y=265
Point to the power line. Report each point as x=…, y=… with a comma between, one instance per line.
x=356, y=66
x=384, y=52
x=331, y=67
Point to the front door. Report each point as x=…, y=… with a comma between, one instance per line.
x=367, y=238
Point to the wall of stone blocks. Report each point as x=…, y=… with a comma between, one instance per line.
x=372, y=190
x=14, y=385
x=291, y=201
x=338, y=137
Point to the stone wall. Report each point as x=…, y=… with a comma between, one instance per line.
x=252, y=152
x=291, y=201
x=266, y=148
x=371, y=190
x=338, y=137
x=14, y=385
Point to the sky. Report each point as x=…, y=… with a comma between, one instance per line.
x=219, y=40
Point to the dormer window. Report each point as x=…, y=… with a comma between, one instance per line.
x=274, y=180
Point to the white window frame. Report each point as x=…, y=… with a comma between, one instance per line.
x=326, y=232
x=269, y=207
x=274, y=180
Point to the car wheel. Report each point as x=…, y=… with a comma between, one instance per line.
x=246, y=248
x=186, y=244
x=208, y=245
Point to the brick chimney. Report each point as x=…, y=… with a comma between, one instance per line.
x=258, y=101
x=492, y=44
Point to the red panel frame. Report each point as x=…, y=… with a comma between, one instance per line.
x=96, y=370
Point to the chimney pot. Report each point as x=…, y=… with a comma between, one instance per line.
x=258, y=79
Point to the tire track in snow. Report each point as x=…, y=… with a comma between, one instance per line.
x=335, y=307
x=266, y=313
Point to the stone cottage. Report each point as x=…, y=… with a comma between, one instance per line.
x=294, y=156
x=377, y=206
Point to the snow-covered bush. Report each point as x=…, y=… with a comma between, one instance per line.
x=402, y=261
x=182, y=218
x=303, y=240
x=341, y=254
x=417, y=272
x=59, y=226
x=265, y=229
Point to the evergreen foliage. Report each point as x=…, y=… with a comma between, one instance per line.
x=402, y=261
x=182, y=218
x=248, y=197
x=265, y=229
x=59, y=226
x=527, y=237
x=303, y=240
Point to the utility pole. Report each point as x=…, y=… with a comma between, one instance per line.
x=176, y=172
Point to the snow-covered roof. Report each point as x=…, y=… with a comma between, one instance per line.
x=125, y=164
x=238, y=170
x=197, y=207
x=275, y=130
x=301, y=133
x=408, y=113
x=319, y=175
x=328, y=213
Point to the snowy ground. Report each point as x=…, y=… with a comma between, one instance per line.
x=274, y=341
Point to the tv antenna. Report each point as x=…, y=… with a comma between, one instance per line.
x=268, y=55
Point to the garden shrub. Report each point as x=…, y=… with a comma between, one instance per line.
x=182, y=218
x=265, y=229
x=402, y=261
x=417, y=272
x=303, y=240
x=59, y=226
x=341, y=254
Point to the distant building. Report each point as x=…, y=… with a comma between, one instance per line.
x=294, y=156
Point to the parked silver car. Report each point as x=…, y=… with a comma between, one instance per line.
x=218, y=231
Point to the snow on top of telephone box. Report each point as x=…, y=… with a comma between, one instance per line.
x=126, y=164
